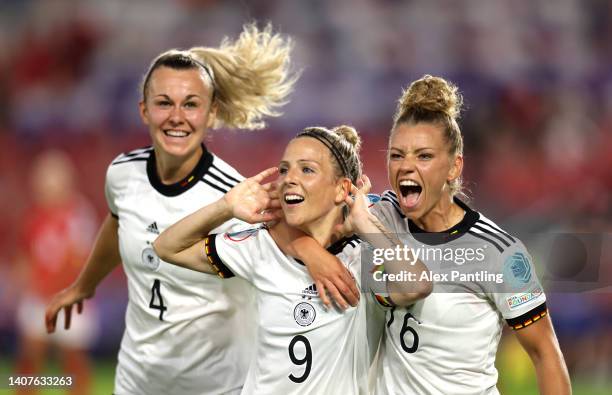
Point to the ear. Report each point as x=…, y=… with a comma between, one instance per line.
x=456, y=168
x=142, y=110
x=343, y=189
x=212, y=115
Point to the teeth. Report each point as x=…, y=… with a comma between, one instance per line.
x=293, y=198
x=176, y=133
x=408, y=183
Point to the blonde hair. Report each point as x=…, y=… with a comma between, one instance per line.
x=434, y=100
x=251, y=77
x=344, y=144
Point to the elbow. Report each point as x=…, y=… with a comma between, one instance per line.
x=418, y=291
x=160, y=251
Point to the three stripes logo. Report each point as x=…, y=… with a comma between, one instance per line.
x=310, y=292
x=153, y=228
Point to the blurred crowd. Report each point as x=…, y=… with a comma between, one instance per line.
x=536, y=77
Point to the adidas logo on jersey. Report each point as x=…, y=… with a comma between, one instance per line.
x=310, y=292
x=153, y=228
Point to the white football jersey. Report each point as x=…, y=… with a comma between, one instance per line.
x=186, y=332
x=447, y=342
x=302, y=347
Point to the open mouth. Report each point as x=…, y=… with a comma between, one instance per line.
x=410, y=191
x=176, y=133
x=292, y=199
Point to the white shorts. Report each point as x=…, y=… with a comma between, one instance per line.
x=83, y=327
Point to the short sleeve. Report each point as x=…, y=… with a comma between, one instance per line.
x=233, y=254
x=520, y=299
x=110, y=191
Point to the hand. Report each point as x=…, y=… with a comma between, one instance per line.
x=65, y=300
x=330, y=276
x=253, y=202
x=328, y=273
x=358, y=214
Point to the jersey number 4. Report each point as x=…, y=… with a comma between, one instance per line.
x=307, y=359
x=156, y=295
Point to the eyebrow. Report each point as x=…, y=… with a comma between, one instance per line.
x=301, y=161
x=186, y=98
x=416, y=150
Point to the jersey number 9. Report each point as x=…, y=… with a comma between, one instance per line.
x=307, y=359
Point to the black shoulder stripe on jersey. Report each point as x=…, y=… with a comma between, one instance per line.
x=224, y=173
x=210, y=249
x=217, y=187
x=222, y=181
x=391, y=193
x=487, y=231
x=139, y=151
x=338, y=246
x=480, y=236
x=395, y=205
x=120, y=161
x=495, y=228
x=528, y=318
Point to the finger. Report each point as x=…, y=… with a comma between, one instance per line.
x=80, y=306
x=67, y=316
x=352, y=294
x=336, y=295
x=322, y=293
x=346, y=292
x=265, y=174
x=273, y=204
x=367, y=184
x=267, y=216
x=50, y=320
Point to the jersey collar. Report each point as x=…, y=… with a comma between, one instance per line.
x=434, y=238
x=186, y=183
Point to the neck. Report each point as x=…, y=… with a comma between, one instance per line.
x=443, y=216
x=322, y=229
x=171, y=169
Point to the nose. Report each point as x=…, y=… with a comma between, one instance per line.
x=176, y=115
x=290, y=177
x=407, y=165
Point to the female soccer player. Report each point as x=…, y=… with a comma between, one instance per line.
x=301, y=347
x=446, y=343
x=182, y=331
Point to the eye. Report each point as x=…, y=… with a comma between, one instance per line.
x=282, y=170
x=162, y=103
x=394, y=156
x=191, y=104
x=307, y=170
x=425, y=156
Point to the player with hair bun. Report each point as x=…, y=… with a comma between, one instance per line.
x=301, y=347
x=185, y=333
x=447, y=342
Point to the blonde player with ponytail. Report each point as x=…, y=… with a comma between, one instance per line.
x=185, y=333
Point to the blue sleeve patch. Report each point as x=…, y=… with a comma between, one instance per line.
x=241, y=235
x=373, y=198
x=517, y=270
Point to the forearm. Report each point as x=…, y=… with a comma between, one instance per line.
x=401, y=292
x=551, y=372
x=183, y=236
x=104, y=257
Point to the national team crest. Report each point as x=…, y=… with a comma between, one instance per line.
x=304, y=313
x=150, y=258
x=517, y=269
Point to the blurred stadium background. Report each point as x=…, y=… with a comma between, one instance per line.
x=536, y=77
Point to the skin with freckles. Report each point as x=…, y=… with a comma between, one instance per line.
x=418, y=152
x=177, y=101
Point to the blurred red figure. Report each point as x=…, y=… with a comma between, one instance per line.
x=59, y=229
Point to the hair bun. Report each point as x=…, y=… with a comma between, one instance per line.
x=432, y=94
x=349, y=134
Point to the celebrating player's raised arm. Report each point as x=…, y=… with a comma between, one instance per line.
x=250, y=201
